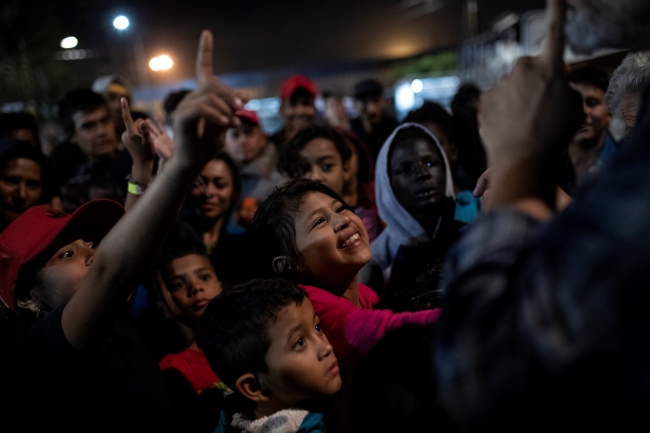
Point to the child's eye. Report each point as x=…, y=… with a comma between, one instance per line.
x=66, y=254
x=318, y=328
x=299, y=343
x=205, y=277
x=318, y=221
x=327, y=167
x=340, y=209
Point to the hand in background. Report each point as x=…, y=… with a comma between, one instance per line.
x=162, y=142
x=526, y=115
x=136, y=137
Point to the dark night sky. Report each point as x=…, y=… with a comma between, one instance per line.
x=254, y=35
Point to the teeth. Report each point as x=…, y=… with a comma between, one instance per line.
x=351, y=239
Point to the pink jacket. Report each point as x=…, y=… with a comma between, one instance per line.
x=354, y=331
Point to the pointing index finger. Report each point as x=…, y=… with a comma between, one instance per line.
x=553, y=45
x=204, y=58
x=126, y=114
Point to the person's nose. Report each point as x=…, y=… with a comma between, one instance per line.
x=210, y=189
x=315, y=174
x=196, y=286
x=20, y=193
x=325, y=349
x=421, y=172
x=341, y=221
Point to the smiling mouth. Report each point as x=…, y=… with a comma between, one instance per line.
x=426, y=193
x=352, y=239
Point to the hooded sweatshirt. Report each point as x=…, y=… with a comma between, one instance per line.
x=401, y=227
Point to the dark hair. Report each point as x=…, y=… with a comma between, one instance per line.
x=181, y=241
x=77, y=100
x=274, y=225
x=10, y=122
x=590, y=76
x=173, y=99
x=465, y=99
x=234, y=328
x=430, y=112
x=292, y=164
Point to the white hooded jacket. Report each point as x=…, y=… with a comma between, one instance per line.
x=401, y=227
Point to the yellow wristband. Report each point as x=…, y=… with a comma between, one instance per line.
x=135, y=188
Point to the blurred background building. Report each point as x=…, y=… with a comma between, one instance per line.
x=419, y=49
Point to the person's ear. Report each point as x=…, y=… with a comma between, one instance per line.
x=250, y=387
x=282, y=264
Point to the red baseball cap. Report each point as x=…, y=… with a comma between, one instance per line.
x=248, y=115
x=36, y=228
x=296, y=82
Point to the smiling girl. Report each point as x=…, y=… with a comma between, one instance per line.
x=310, y=236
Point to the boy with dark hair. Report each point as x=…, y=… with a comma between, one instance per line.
x=187, y=281
x=592, y=140
x=83, y=166
x=265, y=341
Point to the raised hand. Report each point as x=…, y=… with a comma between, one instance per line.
x=136, y=137
x=203, y=117
x=162, y=142
x=533, y=108
x=528, y=113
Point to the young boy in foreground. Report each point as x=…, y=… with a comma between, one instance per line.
x=264, y=340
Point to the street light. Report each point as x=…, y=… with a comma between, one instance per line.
x=417, y=85
x=161, y=63
x=121, y=22
x=69, y=42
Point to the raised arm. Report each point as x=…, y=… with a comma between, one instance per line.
x=527, y=115
x=136, y=139
x=127, y=251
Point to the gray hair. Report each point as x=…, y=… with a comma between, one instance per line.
x=629, y=78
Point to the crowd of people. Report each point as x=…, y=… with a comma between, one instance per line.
x=469, y=268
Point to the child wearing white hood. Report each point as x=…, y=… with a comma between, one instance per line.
x=414, y=192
